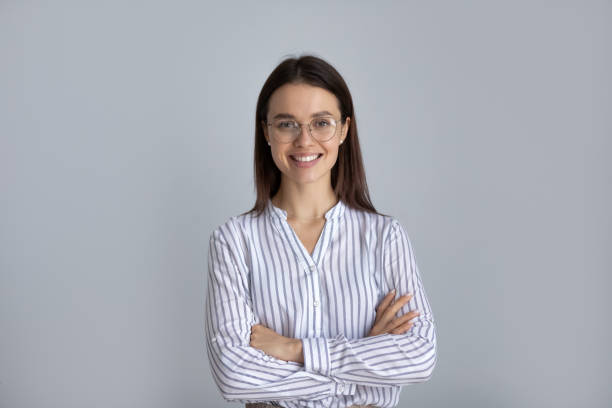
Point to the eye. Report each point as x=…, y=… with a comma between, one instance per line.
x=286, y=124
x=321, y=123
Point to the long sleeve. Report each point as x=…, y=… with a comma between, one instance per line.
x=243, y=373
x=386, y=359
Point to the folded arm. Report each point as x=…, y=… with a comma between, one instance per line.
x=243, y=373
x=386, y=359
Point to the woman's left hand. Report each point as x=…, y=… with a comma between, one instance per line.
x=276, y=345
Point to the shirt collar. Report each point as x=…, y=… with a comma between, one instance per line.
x=333, y=213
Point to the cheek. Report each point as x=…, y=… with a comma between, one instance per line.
x=280, y=159
x=333, y=155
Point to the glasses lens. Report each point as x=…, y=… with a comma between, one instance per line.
x=323, y=128
x=284, y=130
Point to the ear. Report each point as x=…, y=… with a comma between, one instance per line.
x=345, y=128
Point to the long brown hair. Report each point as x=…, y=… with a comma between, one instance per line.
x=348, y=175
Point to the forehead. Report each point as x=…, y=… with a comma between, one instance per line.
x=302, y=100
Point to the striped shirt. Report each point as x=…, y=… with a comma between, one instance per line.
x=260, y=272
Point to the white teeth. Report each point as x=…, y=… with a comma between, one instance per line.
x=306, y=158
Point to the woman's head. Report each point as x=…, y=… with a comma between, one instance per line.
x=298, y=90
x=304, y=129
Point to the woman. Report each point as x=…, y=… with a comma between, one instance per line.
x=300, y=309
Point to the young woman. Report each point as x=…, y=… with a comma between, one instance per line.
x=303, y=306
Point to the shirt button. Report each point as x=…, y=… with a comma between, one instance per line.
x=316, y=303
x=313, y=267
x=340, y=387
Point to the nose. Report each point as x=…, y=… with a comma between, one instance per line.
x=303, y=137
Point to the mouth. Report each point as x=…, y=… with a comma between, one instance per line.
x=306, y=161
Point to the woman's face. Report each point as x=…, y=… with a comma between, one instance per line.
x=302, y=102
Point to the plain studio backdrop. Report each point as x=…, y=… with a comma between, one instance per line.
x=126, y=136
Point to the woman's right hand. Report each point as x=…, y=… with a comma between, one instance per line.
x=386, y=322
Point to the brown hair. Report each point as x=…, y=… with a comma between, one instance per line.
x=348, y=175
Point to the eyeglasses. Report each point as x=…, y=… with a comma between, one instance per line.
x=287, y=130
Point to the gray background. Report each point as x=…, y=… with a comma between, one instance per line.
x=127, y=134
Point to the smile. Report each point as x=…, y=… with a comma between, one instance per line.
x=306, y=158
x=306, y=161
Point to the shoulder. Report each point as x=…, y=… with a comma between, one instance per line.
x=397, y=236
x=380, y=225
x=234, y=230
x=388, y=228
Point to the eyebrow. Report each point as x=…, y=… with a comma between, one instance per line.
x=290, y=116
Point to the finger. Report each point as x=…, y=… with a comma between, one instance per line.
x=391, y=311
x=402, y=329
x=395, y=306
x=386, y=300
x=382, y=306
x=402, y=320
x=403, y=300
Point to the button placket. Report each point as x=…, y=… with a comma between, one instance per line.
x=317, y=300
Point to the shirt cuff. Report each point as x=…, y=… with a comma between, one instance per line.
x=342, y=388
x=316, y=356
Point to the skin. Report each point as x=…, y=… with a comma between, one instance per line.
x=306, y=194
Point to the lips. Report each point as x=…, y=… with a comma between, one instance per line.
x=303, y=157
x=306, y=163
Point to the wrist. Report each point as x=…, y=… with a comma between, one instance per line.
x=297, y=351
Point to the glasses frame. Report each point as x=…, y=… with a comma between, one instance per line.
x=300, y=125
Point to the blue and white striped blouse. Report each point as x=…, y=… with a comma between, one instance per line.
x=260, y=272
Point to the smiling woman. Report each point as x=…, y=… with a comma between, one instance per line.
x=302, y=308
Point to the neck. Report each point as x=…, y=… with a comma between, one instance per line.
x=305, y=202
